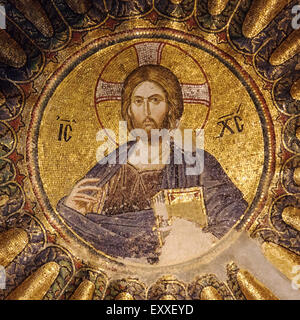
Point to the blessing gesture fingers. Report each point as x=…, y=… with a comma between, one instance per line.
x=79, y=197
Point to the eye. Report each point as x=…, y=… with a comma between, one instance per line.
x=156, y=99
x=138, y=101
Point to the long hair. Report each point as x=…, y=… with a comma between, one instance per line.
x=166, y=80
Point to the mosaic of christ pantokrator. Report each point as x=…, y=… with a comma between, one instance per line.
x=120, y=207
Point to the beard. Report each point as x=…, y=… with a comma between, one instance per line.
x=149, y=124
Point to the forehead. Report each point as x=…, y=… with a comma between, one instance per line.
x=147, y=89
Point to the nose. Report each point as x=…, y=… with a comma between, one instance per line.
x=147, y=107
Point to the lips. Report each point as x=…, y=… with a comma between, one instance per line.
x=149, y=122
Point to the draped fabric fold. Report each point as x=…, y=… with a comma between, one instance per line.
x=132, y=234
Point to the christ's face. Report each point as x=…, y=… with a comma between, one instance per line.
x=148, y=107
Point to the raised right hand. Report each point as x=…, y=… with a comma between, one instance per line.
x=78, y=199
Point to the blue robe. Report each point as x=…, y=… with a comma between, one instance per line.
x=131, y=234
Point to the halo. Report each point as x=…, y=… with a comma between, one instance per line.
x=193, y=80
